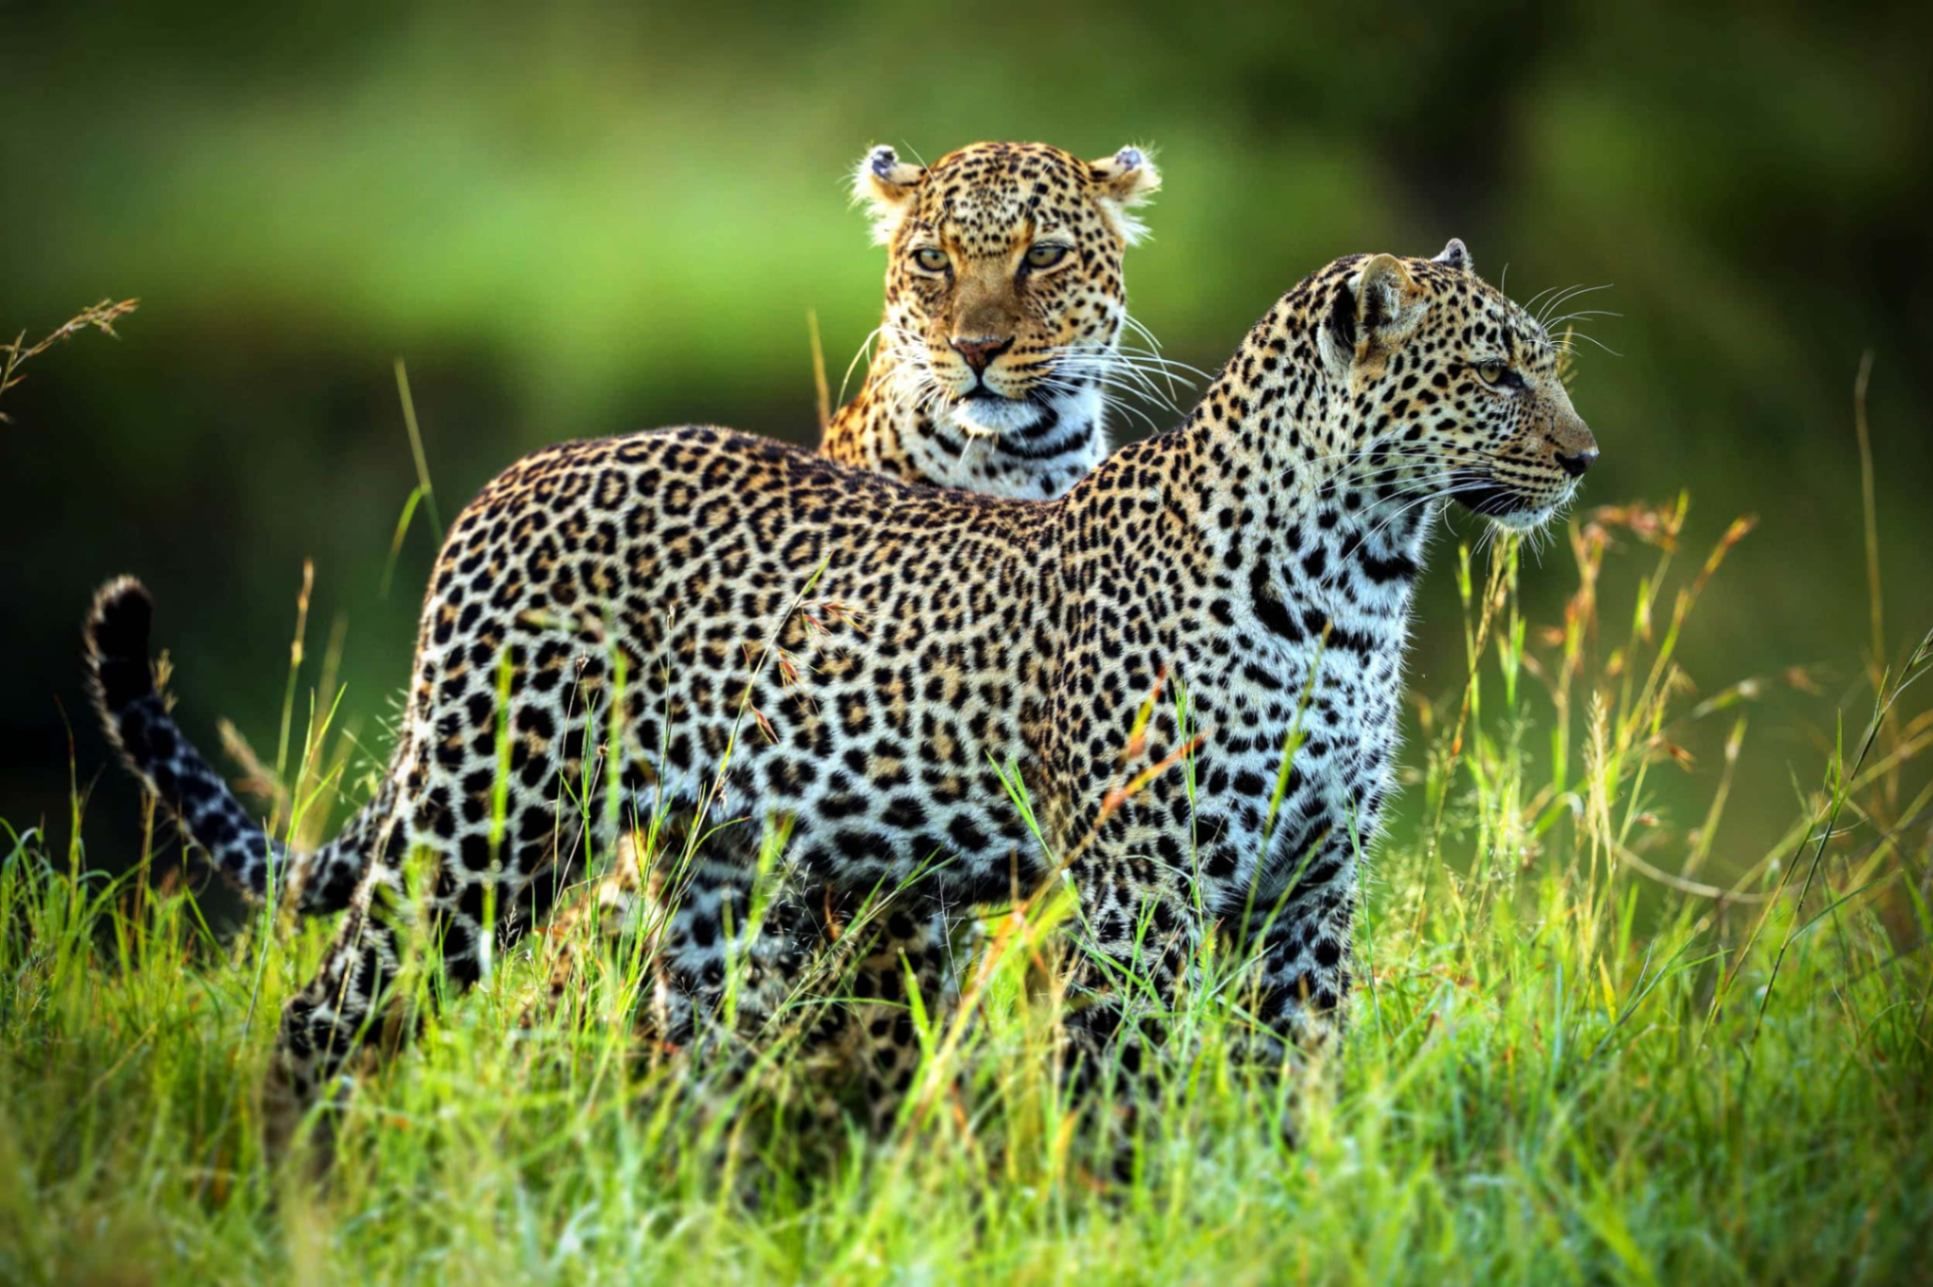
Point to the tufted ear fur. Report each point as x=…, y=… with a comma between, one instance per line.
x=887, y=186
x=1372, y=313
x=1122, y=182
x=1455, y=255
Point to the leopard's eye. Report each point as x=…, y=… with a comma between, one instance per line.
x=931, y=258
x=1045, y=255
x=1492, y=372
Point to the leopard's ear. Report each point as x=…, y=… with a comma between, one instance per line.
x=1122, y=182
x=1455, y=255
x=1372, y=312
x=886, y=186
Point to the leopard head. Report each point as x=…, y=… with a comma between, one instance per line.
x=1004, y=292
x=1452, y=389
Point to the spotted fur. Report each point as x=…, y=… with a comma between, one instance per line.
x=806, y=642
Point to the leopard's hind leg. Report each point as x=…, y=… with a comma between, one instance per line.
x=457, y=877
x=911, y=956
x=834, y=973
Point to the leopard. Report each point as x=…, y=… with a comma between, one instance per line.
x=712, y=625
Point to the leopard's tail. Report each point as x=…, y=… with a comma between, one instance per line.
x=137, y=720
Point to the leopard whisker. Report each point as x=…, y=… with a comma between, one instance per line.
x=865, y=350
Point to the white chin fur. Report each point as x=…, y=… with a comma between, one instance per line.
x=992, y=417
x=1525, y=520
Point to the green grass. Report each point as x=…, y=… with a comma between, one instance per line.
x=1592, y=1041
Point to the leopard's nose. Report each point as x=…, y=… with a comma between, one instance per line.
x=980, y=351
x=1576, y=464
x=1572, y=440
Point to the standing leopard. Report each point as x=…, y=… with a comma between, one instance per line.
x=819, y=647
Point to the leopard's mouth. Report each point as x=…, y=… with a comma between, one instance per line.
x=1508, y=506
x=983, y=389
x=982, y=413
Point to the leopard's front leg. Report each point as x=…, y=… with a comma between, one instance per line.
x=1302, y=944
x=1138, y=935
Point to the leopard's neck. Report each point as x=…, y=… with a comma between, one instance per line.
x=887, y=428
x=1271, y=491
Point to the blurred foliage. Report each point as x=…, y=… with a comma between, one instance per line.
x=573, y=220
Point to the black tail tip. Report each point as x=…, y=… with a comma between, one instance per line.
x=117, y=642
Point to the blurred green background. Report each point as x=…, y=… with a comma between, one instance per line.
x=572, y=220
